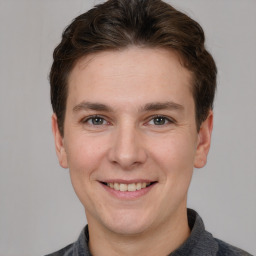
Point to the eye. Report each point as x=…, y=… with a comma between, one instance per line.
x=160, y=120
x=95, y=120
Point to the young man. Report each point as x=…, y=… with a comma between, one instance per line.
x=132, y=90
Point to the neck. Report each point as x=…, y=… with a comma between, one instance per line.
x=160, y=240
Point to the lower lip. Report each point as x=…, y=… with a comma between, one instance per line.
x=128, y=195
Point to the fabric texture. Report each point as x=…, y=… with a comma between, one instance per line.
x=199, y=243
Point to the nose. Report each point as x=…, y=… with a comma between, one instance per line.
x=127, y=148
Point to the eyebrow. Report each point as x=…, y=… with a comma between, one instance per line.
x=169, y=105
x=154, y=106
x=92, y=106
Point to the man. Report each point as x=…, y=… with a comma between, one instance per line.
x=132, y=90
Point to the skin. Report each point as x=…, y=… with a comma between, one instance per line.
x=129, y=142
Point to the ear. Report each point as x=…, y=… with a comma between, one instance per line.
x=59, y=143
x=204, y=141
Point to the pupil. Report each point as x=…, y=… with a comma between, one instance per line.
x=159, y=120
x=97, y=121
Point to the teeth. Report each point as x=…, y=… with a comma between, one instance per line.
x=138, y=186
x=132, y=187
x=128, y=187
x=116, y=186
x=123, y=187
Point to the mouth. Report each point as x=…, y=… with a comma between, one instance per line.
x=128, y=187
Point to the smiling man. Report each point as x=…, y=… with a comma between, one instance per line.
x=132, y=90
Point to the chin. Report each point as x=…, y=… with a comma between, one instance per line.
x=129, y=223
x=127, y=229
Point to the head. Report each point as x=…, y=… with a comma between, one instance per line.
x=132, y=89
x=119, y=24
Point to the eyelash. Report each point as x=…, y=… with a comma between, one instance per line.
x=166, y=120
x=93, y=117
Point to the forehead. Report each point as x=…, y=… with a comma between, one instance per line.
x=144, y=74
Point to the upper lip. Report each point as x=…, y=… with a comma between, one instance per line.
x=122, y=181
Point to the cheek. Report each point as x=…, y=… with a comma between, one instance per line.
x=175, y=156
x=84, y=154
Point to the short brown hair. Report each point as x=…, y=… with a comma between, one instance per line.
x=118, y=24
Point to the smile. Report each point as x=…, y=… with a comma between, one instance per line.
x=128, y=190
x=128, y=187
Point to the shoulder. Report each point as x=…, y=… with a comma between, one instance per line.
x=226, y=249
x=78, y=248
x=201, y=242
x=66, y=251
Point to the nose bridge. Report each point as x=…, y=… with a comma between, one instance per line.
x=127, y=148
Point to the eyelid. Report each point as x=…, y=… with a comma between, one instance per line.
x=87, y=118
x=169, y=119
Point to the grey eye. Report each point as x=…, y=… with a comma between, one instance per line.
x=160, y=120
x=96, y=120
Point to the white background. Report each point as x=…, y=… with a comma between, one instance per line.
x=39, y=212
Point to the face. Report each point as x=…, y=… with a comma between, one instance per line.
x=130, y=138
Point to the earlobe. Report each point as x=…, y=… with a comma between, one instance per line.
x=59, y=145
x=204, y=141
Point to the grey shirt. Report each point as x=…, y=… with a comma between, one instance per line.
x=199, y=243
